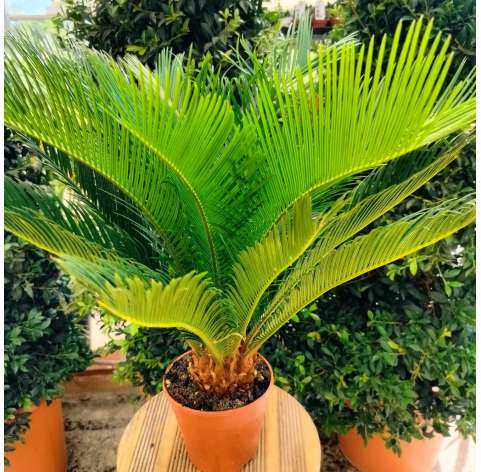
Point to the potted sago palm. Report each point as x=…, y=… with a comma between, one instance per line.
x=181, y=213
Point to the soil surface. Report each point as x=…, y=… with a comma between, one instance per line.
x=189, y=393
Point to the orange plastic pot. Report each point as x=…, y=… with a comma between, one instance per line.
x=44, y=447
x=419, y=455
x=221, y=441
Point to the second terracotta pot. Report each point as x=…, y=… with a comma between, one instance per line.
x=221, y=441
x=419, y=455
x=44, y=447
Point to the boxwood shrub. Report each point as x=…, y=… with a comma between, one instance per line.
x=374, y=354
x=44, y=345
x=145, y=27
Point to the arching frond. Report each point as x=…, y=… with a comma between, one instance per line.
x=354, y=114
x=187, y=303
x=365, y=253
x=117, y=120
x=372, y=207
x=261, y=264
x=38, y=216
x=91, y=188
x=369, y=207
x=118, y=209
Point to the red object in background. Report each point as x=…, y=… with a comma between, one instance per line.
x=326, y=23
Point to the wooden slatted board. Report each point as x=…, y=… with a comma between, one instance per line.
x=289, y=441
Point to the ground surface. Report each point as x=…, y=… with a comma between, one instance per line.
x=96, y=411
x=95, y=420
x=93, y=427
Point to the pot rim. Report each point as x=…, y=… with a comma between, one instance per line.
x=220, y=412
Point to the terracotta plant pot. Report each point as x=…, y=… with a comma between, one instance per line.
x=419, y=455
x=44, y=447
x=221, y=441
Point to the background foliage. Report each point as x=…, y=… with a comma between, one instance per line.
x=375, y=352
x=148, y=351
x=454, y=17
x=439, y=282
x=145, y=27
x=44, y=345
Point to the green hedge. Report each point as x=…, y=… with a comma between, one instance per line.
x=388, y=351
x=145, y=27
x=44, y=345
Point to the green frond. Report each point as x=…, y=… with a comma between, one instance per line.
x=94, y=190
x=365, y=253
x=372, y=207
x=351, y=114
x=371, y=201
x=119, y=210
x=117, y=119
x=261, y=264
x=404, y=167
x=38, y=216
x=187, y=303
x=194, y=135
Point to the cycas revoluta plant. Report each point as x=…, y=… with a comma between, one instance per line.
x=181, y=215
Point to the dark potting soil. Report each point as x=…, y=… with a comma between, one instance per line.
x=189, y=393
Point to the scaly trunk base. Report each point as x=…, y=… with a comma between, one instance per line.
x=237, y=371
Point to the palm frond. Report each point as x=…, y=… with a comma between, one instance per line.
x=372, y=207
x=187, y=303
x=371, y=202
x=258, y=266
x=350, y=118
x=402, y=168
x=119, y=210
x=38, y=216
x=365, y=253
x=118, y=120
